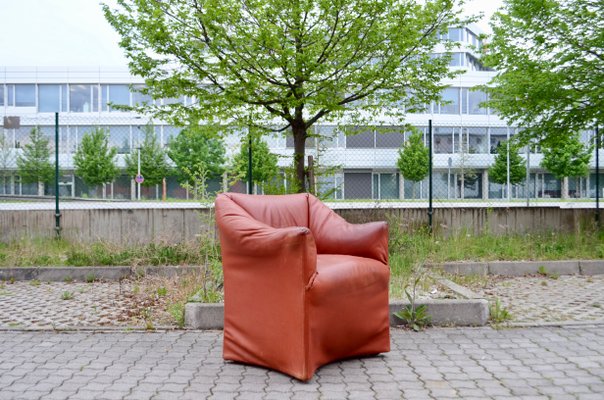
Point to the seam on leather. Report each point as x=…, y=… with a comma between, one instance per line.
x=311, y=281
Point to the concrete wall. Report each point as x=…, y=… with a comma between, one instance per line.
x=130, y=226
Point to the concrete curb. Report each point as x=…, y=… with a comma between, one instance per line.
x=60, y=274
x=520, y=268
x=458, y=312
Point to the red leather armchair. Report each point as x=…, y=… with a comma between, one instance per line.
x=302, y=287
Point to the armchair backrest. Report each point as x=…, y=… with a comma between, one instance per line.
x=331, y=233
x=275, y=211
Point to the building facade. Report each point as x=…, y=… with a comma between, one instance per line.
x=362, y=165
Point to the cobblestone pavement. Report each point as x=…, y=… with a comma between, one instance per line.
x=58, y=305
x=549, y=299
x=440, y=363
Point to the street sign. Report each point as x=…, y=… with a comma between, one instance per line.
x=139, y=178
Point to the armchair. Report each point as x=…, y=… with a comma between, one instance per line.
x=302, y=286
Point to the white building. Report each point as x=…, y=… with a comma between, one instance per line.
x=464, y=137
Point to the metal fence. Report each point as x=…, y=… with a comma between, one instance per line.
x=358, y=164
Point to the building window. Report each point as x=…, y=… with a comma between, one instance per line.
x=477, y=142
x=52, y=98
x=443, y=140
x=83, y=98
x=389, y=138
x=116, y=95
x=457, y=60
x=360, y=138
x=25, y=95
x=497, y=138
x=357, y=185
x=138, y=98
x=451, y=97
x=385, y=186
x=475, y=98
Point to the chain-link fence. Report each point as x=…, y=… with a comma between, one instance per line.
x=470, y=163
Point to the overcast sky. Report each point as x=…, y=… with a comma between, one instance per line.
x=75, y=33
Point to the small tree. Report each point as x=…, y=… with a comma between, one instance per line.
x=94, y=160
x=34, y=164
x=414, y=159
x=498, y=172
x=568, y=158
x=153, y=164
x=7, y=159
x=264, y=163
x=198, y=155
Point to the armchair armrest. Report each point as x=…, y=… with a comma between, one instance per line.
x=335, y=235
x=266, y=272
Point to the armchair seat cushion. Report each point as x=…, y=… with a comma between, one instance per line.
x=342, y=275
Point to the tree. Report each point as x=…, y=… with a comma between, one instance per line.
x=414, y=159
x=7, y=159
x=549, y=56
x=34, y=164
x=498, y=172
x=153, y=164
x=264, y=163
x=94, y=160
x=286, y=63
x=198, y=156
x=568, y=158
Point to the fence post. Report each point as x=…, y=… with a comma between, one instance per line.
x=430, y=211
x=597, y=178
x=57, y=211
x=250, y=184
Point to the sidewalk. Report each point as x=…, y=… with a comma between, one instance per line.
x=469, y=363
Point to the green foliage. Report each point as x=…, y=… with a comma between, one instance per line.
x=286, y=63
x=414, y=316
x=498, y=172
x=34, y=164
x=162, y=291
x=549, y=59
x=568, y=157
x=66, y=295
x=153, y=163
x=414, y=158
x=264, y=163
x=94, y=160
x=197, y=148
x=498, y=314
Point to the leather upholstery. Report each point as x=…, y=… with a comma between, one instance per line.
x=302, y=286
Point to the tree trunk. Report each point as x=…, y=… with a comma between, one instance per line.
x=40, y=188
x=564, y=194
x=299, y=132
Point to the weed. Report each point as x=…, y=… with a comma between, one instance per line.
x=544, y=272
x=11, y=280
x=162, y=291
x=543, y=283
x=68, y=279
x=498, y=313
x=35, y=282
x=90, y=278
x=66, y=295
x=414, y=316
x=177, y=311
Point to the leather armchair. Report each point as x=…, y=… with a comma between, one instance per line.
x=302, y=287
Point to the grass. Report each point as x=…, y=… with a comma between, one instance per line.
x=51, y=252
